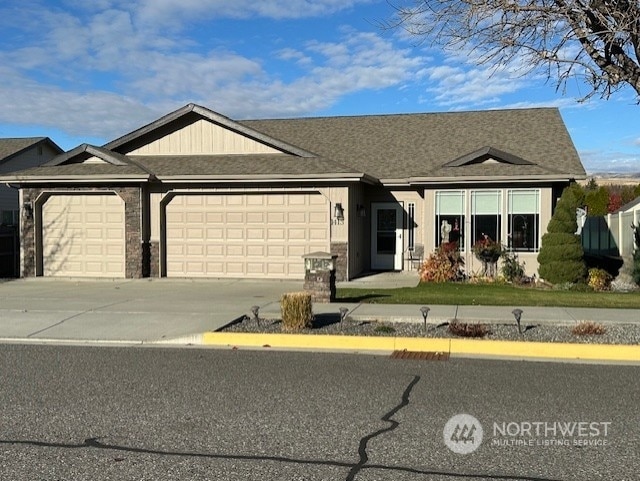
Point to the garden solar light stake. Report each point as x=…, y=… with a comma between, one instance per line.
x=517, y=313
x=343, y=314
x=425, y=312
x=255, y=311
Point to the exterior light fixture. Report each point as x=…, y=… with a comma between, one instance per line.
x=27, y=208
x=361, y=210
x=425, y=312
x=338, y=213
x=517, y=313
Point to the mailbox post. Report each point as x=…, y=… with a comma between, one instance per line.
x=320, y=276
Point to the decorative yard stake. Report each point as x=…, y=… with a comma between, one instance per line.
x=343, y=313
x=425, y=312
x=517, y=313
x=255, y=313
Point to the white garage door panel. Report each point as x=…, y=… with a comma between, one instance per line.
x=83, y=236
x=244, y=235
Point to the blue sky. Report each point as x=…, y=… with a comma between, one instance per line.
x=90, y=71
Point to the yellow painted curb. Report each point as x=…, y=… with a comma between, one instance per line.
x=555, y=350
x=462, y=347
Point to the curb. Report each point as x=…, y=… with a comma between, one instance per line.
x=455, y=347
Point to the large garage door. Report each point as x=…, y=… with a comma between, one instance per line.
x=83, y=236
x=244, y=235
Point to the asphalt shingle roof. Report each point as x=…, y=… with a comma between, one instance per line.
x=532, y=143
x=12, y=146
x=418, y=145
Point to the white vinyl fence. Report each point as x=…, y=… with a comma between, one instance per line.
x=611, y=235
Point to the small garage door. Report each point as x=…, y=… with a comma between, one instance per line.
x=244, y=235
x=83, y=236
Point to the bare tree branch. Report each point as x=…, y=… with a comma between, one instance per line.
x=596, y=41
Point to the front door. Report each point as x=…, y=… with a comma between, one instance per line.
x=386, y=231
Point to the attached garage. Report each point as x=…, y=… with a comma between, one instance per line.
x=261, y=235
x=83, y=235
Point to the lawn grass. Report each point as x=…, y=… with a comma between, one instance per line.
x=489, y=295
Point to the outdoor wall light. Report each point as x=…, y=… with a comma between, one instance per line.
x=361, y=210
x=27, y=208
x=338, y=213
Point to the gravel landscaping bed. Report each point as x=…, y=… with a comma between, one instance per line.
x=615, y=333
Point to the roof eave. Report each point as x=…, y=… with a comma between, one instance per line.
x=495, y=179
x=331, y=177
x=83, y=179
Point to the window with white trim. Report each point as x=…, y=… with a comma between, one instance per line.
x=450, y=217
x=486, y=218
x=523, y=207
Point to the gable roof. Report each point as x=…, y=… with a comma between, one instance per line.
x=404, y=149
x=419, y=146
x=193, y=111
x=12, y=147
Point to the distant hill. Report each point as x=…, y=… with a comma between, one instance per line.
x=608, y=178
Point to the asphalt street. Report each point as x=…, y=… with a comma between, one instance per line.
x=149, y=413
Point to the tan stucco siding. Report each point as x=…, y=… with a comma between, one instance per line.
x=203, y=137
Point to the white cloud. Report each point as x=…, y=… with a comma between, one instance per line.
x=100, y=72
x=163, y=11
x=595, y=161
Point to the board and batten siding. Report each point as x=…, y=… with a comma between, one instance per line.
x=206, y=138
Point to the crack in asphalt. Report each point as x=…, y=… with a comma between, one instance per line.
x=362, y=448
x=355, y=469
x=95, y=443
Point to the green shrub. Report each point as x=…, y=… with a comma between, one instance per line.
x=599, y=279
x=384, y=329
x=443, y=265
x=561, y=255
x=636, y=267
x=512, y=269
x=297, y=313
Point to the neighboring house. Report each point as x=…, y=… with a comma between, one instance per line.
x=18, y=154
x=196, y=194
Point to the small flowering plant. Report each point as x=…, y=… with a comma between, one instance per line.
x=487, y=250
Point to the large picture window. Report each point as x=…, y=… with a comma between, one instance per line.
x=486, y=206
x=523, y=219
x=450, y=217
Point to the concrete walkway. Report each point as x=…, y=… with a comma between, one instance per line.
x=159, y=310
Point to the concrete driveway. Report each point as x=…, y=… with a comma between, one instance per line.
x=128, y=310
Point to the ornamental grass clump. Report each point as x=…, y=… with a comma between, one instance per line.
x=296, y=309
x=463, y=329
x=588, y=328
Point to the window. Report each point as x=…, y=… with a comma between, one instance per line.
x=486, y=206
x=450, y=217
x=411, y=226
x=10, y=217
x=523, y=219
